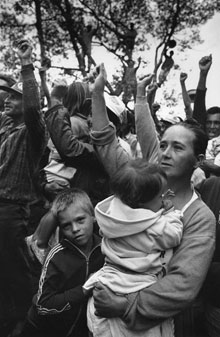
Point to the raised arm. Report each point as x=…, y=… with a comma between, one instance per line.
x=43, y=76
x=185, y=95
x=145, y=126
x=109, y=150
x=199, y=112
x=31, y=99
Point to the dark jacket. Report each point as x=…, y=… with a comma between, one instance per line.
x=90, y=176
x=60, y=305
x=210, y=193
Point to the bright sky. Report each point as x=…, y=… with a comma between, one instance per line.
x=210, y=33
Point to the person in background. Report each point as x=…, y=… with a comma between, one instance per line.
x=166, y=67
x=8, y=81
x=209, y=190
x=22, y=144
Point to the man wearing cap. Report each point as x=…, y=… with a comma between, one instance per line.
x=22, y=142
x=8, y=81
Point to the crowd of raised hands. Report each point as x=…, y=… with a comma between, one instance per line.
x=71, y=147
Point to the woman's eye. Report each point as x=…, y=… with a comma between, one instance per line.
x=178, y=148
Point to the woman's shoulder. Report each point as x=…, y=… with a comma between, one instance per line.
x=199, y=219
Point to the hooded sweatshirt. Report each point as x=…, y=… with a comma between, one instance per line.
x=134, y=244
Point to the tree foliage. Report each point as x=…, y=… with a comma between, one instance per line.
x=123, y=27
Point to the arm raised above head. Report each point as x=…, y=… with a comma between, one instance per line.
x=145, y=126
x=199, y=111
x=31, y=97
x=103, y=135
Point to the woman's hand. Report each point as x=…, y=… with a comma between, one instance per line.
x=107, y=304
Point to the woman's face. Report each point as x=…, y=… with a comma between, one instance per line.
x=176, y=155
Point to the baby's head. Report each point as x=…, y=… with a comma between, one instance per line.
x=140, y=184
x=75, y=215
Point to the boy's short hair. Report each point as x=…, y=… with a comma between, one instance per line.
x=71, y=196
x=137, y=182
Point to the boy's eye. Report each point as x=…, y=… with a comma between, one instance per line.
x=65, y=225
x=80, y=220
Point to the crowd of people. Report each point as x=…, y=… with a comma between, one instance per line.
x=109, y=219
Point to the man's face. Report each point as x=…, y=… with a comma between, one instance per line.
x=3, y=94
x=213, y=125
x=13, y=106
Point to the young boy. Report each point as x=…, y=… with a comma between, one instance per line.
x=59, y=307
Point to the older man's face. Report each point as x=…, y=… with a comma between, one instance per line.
x=3, y=94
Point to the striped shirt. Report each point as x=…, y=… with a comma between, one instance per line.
x=22, y=146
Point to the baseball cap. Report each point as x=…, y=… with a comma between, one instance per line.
x=17, y=88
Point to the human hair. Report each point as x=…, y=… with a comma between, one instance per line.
x=137, y=182
x=71, y=196
x=213, y=110
x=8, y=78
x=200, y=141
x=75, y=98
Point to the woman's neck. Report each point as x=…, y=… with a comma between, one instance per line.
x=183, y=193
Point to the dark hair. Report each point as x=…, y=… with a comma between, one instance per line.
x=8, y=78
x=213, y=110
x=76, y=99
x=137, y=182
x=200, y=141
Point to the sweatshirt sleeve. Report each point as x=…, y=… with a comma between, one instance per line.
x=168, y=232
x=51, y=299
x=186, y=273
x=108, y=148
x=146, y=130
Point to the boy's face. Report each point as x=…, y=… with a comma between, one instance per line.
x=76, y=225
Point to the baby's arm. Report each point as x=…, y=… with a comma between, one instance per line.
x=168, y=231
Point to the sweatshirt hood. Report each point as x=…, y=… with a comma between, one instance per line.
x=116, y=219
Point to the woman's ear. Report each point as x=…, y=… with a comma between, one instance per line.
x=199, y=161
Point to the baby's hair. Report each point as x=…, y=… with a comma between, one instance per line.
x=137, y=182
x=70, y=196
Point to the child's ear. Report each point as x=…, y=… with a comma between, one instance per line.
x=199, y=161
